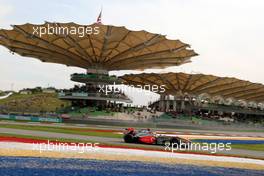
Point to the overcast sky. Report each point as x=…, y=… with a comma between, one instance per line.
x=227, y=34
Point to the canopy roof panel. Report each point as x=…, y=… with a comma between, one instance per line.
x=196, y=84
x=112, y=48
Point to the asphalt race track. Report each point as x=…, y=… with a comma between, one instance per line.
x=116, y=140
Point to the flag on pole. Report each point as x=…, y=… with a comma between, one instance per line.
x=99, y=18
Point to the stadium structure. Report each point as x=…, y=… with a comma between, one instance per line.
x=206, y=94
x=115, y=48
x=109, y=48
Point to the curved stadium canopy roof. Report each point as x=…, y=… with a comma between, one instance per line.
x=114, y=48
x=196, y=84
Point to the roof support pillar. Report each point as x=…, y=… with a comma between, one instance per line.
x=162, y=103
x=167, y=103
x=175, y=103
x=182, y=105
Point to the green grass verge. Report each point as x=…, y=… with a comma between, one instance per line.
x=255, y=147
x=65, y=130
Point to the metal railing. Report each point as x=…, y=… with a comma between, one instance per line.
x=84, y=94
x=94, y=76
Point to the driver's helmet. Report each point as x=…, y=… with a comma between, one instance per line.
x=130, y=129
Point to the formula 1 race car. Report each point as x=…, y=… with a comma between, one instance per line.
x=145, y=136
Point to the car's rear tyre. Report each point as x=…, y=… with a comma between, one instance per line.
x=128, y=138
x=175, y=141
